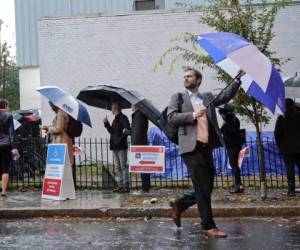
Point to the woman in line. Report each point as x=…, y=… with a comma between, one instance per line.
x=58, y=130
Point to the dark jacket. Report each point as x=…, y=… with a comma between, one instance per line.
x=231, y=132
x=7, y=130
x=118, y=140
x=139, y=128
x=287, y=133
x=187, y=131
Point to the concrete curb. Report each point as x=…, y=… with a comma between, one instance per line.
x=25, y=213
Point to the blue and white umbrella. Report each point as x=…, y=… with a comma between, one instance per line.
x=67, y=103
x=233, y=53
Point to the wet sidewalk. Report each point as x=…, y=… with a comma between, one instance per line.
x=108, y=204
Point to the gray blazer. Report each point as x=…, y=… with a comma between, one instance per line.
x=187, y=131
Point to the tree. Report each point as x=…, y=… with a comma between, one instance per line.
x=253, y=21
x=9, y=77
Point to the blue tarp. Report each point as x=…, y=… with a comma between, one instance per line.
x=175, y=168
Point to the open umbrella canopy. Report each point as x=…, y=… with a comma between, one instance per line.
x=102, y=96
x=233, y=53
x=67, y=103
x=27, y=114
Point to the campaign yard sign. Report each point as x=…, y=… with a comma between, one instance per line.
x=58, y=181
x=147, y=159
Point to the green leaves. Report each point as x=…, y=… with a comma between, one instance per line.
x=9, y=77
x=253, y=21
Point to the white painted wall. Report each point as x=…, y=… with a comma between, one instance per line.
x=29, y=81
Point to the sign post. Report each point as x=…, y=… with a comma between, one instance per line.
x=58, y=181
x=147, y=159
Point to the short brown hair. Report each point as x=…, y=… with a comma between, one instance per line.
x=3, y=103
x=197, y=73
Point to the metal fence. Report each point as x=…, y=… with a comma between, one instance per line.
x=95, y=169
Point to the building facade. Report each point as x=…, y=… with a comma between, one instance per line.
x=73, y=44
x=28, y=12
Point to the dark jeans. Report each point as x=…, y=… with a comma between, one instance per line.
x=233, y=155
x=145, y=182
x=290, y=162
x=201, y=169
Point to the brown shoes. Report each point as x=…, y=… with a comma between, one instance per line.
x=215, y=233
x=176, y=216
x=175, y=213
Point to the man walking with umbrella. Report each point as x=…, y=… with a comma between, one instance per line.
x=198, y=134
x=119, y=130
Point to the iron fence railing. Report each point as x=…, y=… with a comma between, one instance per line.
x=94, y=168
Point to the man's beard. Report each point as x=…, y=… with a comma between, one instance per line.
x=191, y=86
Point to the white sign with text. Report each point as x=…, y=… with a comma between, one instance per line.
x=147, y=159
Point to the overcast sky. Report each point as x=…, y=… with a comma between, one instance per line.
x=7, y=15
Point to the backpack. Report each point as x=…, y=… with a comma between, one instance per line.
x=74, y=128
x=5, y=123
x=169, y=129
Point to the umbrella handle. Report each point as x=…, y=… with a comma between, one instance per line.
x=238, y=76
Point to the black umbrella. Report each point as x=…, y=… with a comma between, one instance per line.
x=27, y=120
x=147, y=108
x=26, y=115
x=103, y=96
x=21, y=113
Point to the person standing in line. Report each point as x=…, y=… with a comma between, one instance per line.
x=7, y=148
x=287, y=138
x=233, y=141
x=119, y=130
x=139, y=129
x=198, y=134
x=58, y=130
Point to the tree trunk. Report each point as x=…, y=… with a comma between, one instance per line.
x=262, y=170
x=261, y=156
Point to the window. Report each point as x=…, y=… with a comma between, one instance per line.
x=145, y=5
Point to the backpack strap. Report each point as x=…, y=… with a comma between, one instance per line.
x=180, y=102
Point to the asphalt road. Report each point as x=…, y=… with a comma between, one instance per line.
x=110, y=234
